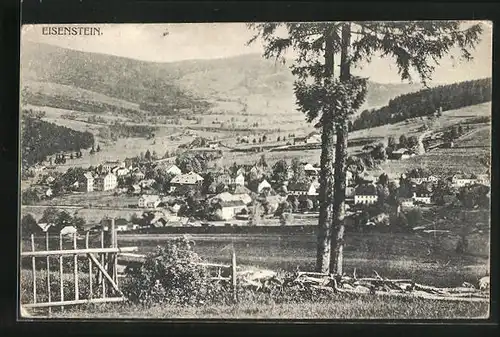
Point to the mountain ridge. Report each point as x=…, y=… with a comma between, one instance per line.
x=248, y=78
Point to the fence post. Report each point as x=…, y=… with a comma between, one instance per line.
x=91, y=281
x=75, y=269
x=61, y=274
x=103, y=256
x=48, y=269
x=33, y=262
x=233, y=275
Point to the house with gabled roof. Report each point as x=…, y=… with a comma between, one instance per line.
x=304, y=188
x=402, y=153
x=174, y=170
x=263, y=185
x=240, y=180
x=227, y=210
x=188, y=179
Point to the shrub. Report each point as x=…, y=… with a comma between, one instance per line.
x=171, y=275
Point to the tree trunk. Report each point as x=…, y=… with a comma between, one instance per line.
x=340, y=162
x=326, y=174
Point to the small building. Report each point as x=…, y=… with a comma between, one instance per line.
x=147, y=183
x=44, y=226
x=242, y=193
x=299, y=140
x=365, y=194
x=228, y=209
x=459, y=180
x=49, y=193
x=213, y=145
x=174, y=170
x=120, y=171
x=310, y=170
x=420, y=180
x=240, y=180
x=313, y=138
x=263, y=185
x=188, y=179
x=107, y=182
x=483, y=179
x=149, y=201
x=406, y=202
x=138, y=174
x=107, y=166
x=402, y=153
x=68, y=230
x=88, y=182
x=49, y=180
x=134, y=189
x=37, y=168
x=422, y=197
x=308, y=189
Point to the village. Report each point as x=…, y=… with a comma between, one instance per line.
x=249, y=195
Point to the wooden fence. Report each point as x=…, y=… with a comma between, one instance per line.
x=103, y=286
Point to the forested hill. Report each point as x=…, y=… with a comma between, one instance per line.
x=426, y=102
x=40, y=139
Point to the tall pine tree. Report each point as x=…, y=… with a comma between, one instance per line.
x=329, y=101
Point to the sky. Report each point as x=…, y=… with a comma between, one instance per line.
x=187, y=41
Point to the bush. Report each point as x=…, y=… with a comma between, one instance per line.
x=171, y=275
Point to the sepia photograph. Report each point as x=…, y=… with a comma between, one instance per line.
x=264, y=170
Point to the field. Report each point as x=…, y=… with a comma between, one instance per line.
x=340, y=307
x=425, y=260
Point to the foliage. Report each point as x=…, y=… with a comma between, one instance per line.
x=426, y=102
x=29, y=225
x=29, y=197
x=171, y=275
x=40, y=139
x=280, y=172
x=413, y=217
x=474, y=196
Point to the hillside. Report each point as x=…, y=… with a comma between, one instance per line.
x=249, y=82
x=426, y=102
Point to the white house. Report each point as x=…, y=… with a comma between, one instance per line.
x=420, y=180
x=149, y=201
x=311, y=170
x=483, y=179
x=239, y=180
x=120, y=171
x=313, y=138
x=49, y=193
x=400, y=154
x=422, y=197
x=190, y=178
x=365, y=194
x=213, y=145
x=174, y=170
x=138, y=174
x=263, y=185
x=228, y=209
x=107, y=182
x=68, y=230
x=107, y=166
x=311, y=189
x=461, y=180
x=88, y=185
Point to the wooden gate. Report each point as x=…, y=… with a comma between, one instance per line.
x=100, y=262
